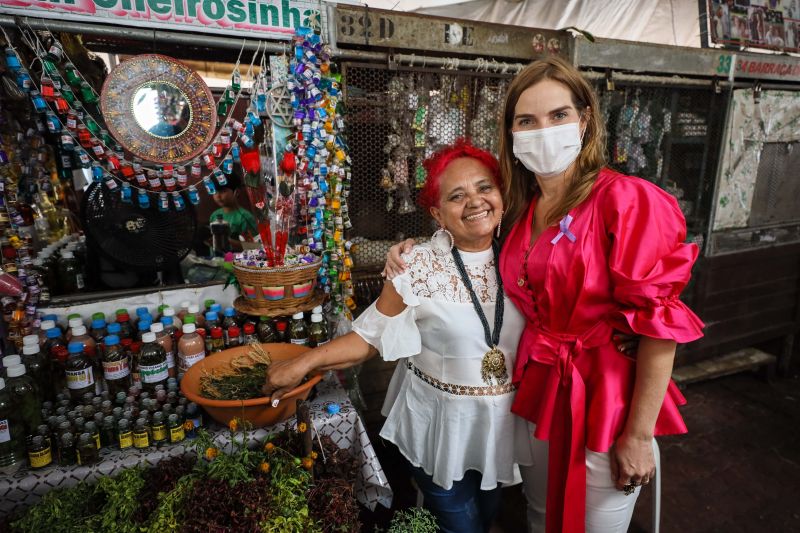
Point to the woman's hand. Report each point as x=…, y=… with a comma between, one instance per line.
x=626, y=344
x=394, y=263
x=632, y=461
x=283, y=376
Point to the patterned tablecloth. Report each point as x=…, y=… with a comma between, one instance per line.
x=26, y=487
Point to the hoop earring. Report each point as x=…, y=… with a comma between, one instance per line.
x=442, y=241
x=499, y=225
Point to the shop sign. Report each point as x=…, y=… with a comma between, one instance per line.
x=654, y=58
x=406, y=31
x=259, y=19
x=751, y=67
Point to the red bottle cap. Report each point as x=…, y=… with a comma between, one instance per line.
x=249, y=329
x=234, y=331
x=216, y=333
x=281, y=326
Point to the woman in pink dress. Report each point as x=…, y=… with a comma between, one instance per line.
x=589, y=252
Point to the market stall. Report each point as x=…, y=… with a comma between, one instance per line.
x=109, y=179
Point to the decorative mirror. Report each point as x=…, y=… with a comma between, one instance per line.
x=159, y=109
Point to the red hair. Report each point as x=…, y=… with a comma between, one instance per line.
x=436, y=164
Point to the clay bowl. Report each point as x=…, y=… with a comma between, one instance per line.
x=256, y=410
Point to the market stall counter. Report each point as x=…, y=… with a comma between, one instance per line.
x=342, y=425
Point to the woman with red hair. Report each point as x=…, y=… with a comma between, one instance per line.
x=454, y=332
x=588, y=252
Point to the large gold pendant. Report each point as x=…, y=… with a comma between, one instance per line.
x=493, y=367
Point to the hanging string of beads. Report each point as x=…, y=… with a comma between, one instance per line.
x=83, y=143
x=317, y=161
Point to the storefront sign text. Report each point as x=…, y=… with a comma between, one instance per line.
x=272, y=19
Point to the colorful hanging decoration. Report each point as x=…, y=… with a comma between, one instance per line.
x=26, y=168
x=84, y=142
x=315, y=173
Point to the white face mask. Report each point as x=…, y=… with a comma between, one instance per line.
x=549, y=151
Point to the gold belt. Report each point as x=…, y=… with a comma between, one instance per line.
x=461, y=390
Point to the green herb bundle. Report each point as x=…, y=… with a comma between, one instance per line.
x=242, y=379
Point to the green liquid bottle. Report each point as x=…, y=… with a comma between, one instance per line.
x=24, y=398
x=12, y=433
x=298, y=332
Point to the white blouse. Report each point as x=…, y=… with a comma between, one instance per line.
x=440, y=334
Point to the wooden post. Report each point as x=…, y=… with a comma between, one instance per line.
x=304, y=416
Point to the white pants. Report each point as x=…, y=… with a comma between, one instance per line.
x=608, y=510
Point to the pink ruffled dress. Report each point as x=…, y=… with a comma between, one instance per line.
x=617, y=262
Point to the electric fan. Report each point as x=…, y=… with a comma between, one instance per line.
x=130, y=246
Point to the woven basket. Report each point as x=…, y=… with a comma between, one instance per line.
x=277, y=287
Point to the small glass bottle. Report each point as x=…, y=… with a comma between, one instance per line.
x=116, y=367
x=153, y=368
x=158, y=429
x=40, y=453
x=67, y=451
x=176, y=433
x=265, y=331
x=87, y=450
x=250, y=336
x=108, y=435
x=234, y=337
x=124, y=434
x=298, y=332
x=217, y=343
x=317, y=336
x=79, y=372
x=141, y=434
x=93, y=429
x=281, y=330
x=124, y=321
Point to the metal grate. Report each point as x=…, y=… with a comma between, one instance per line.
x=396, y=118
x=670, y=136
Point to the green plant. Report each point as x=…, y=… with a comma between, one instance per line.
x=413, y=520
x=235, y=467
x=61, y=511
x=122, y=500
x=170, y=511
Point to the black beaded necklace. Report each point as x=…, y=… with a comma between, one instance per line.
x=493, y=365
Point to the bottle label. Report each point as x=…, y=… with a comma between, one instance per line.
x=170, y=360
x=41, y=458
x=126, y=440
x=113, y=370
x=80, y=379
x=140, y=439
x=303, y=342
x=176, y=434
x=79, y=281
x=96, y=438
x=154, y=373
x=159, y=433
x=187, y=360
x=5, y=432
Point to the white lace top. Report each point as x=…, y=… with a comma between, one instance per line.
x=441, y=335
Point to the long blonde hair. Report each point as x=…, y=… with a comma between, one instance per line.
x=519, y=184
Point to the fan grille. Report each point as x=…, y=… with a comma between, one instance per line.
x=136, y=238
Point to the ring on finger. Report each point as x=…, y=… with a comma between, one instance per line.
x=629, y=489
